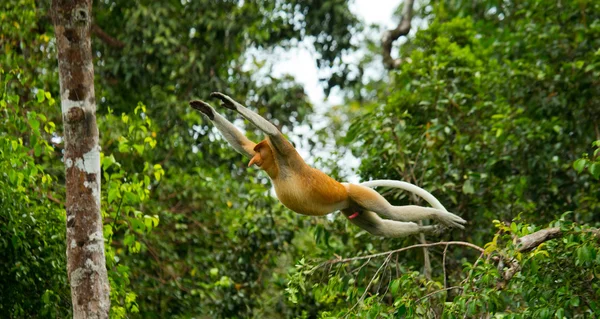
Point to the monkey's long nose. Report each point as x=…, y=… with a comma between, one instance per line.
x=255, y=160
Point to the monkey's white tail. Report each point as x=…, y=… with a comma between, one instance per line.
x=407, y=187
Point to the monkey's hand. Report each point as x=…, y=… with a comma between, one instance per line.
x=226, y=101
x=204, y=108
x=449, y=220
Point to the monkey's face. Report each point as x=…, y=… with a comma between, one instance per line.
x=263, y=157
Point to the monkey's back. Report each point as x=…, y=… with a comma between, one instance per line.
x=311, y=192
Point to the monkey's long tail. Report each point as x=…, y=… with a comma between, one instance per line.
x=407, y=187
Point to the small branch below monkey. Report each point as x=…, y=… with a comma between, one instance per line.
x=387, y=253
x=390, y=36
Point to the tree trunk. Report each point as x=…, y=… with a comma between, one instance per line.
x=86, y=265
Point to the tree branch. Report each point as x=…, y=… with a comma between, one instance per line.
x=387, y=253
x=113, y=42
x=531, y=241
x=390, y=36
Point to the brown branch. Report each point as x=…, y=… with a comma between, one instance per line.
x=52, y=198
x=390, y=36
x=111, y=41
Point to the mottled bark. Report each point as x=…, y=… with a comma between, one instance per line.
x=86, y=265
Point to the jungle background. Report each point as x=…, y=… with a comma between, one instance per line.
x=493, y=106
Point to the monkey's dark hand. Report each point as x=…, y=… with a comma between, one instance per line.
x=226, y=101
x=204, y=108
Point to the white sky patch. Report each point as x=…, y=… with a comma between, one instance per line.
x=300, y=62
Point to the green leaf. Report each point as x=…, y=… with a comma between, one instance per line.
x=574, y=301
x=149, y=222
x=108, y=161
x=128, y=240
x=113, y=193
x=394, y=286
x=584, y=254
x=35, y=124
x=124, y=147
x=108, y=230
x=468, y=187
x=595, y=170
x=37, y=150
x=401, y=311
x=40, y=95
x=579, y=165
x=139, y=148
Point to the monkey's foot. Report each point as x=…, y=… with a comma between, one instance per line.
x=226, y=101
x=449, y=220
x=204, y=108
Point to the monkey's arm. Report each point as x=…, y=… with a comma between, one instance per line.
x=279, y=141
x=373, y=201
x=236, y=139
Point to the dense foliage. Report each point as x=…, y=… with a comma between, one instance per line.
x=491, y=113
x=494, y=110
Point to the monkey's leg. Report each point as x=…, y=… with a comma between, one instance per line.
x=377, y=226
x=371, y=200
x=234, y=137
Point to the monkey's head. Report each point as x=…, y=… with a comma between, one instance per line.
x=264, y=158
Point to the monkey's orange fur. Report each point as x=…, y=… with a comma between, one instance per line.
x=307, y=190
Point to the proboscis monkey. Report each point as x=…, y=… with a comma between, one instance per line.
x=309, y=191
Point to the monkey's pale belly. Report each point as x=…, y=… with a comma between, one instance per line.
x=302, y=200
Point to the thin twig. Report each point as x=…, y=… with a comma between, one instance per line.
x=437, y=291
x=444, y=266
x=362, y=297
x=361, y=266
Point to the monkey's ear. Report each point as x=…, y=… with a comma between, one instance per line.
x=260, y=145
